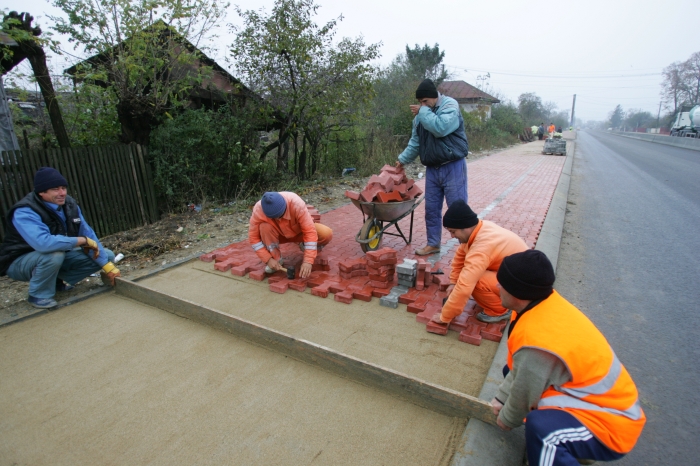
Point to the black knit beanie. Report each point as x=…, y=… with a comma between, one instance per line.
x=46, y=178
x=426, y=89
x=527, y=275
x=459, y=215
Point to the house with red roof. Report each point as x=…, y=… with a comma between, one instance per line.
x=470, y=98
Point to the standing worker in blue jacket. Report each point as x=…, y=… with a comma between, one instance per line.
x=438, y=137
x=49, y=244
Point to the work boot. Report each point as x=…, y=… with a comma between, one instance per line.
x=483, y=317
x=269, y=270
x=580, y=461
x=42, y=303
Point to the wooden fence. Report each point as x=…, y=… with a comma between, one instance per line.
x=113, y=185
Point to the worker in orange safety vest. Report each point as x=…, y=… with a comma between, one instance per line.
x=282, y=217
x=563, y=380
x=482, y=247
x=551, y=129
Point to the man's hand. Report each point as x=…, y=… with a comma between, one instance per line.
x=305, y=270
x=415, y=109
x=449, y=290
x=436, y=319
x=90, y=245
x=109, y=273
x=496, y=407
x=273, y=264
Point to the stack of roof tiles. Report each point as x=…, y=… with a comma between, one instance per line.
x=391, y=185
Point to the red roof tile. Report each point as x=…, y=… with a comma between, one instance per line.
x=460, y=91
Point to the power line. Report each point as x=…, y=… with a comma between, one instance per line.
x=556, y=76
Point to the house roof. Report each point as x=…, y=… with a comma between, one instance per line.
x=171, y=34
x=464, y=92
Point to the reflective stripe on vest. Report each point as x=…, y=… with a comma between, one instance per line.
x=310, y=245
x=258, y=246
x=565, y=401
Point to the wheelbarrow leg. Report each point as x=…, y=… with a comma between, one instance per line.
x=410, y=233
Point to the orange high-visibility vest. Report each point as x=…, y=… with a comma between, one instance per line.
x=601, y=393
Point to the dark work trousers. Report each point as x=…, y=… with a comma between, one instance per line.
x=556, y=438
x=444, y=182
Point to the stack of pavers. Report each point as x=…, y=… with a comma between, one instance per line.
x=407, y=273
x=391, y=185
x=381, y=267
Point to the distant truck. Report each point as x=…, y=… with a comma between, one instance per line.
x=687, y=122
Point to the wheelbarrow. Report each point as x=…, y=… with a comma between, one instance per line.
x=377, y=217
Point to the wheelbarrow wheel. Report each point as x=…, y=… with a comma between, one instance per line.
x=368, y=230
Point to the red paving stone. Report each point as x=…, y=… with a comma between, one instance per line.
x=528, y=181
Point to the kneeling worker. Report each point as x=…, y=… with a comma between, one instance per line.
x=577, y=399
x=45, y=234
x=483, y=245
x=283, y=218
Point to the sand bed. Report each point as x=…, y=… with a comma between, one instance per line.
x=111, y=381
x=388, y=337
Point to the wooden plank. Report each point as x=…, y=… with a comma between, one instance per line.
x=106, y=182
x=113, y=197
x=86, y=202
x=434, y=397
x=127, y=193
x=138, y=186
x=26, y=170
x=90, y=176
x=147, y=176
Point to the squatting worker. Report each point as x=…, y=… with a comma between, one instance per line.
x=563, y=378
x=482, y=247
x=438, y=137
x=283, y=218
x=49, y=244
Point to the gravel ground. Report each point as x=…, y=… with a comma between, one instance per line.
x=180, y=236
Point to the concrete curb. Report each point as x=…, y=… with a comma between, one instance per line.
x=685, y=143
x=484, y=444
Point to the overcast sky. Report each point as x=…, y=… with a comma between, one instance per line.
x=606, y=52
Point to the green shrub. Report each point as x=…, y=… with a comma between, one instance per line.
x=202, y=155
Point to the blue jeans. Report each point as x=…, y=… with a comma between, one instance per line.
x=448, y=182
x=556, y=438
x=42, y=269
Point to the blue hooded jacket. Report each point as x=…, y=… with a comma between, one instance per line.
x=438, y=135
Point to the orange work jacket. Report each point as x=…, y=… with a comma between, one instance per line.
x=295, y=221
x=551, y=128
x=601, y=393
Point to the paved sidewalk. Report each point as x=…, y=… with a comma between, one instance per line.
x=512, y=188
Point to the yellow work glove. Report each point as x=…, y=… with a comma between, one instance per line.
x=91, y=245
x=109, y=273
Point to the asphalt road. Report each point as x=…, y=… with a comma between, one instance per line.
x=630, y=259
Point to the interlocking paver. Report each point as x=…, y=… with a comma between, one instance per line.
x=513, y=189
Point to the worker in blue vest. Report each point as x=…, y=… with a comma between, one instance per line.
x=49, y=244
x=439, y=139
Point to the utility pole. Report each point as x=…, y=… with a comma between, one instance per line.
x=573, y=111
x=658, y=119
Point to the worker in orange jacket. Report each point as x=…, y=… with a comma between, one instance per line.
x=483, y=245
x=551, y=129
x=282, y=217
x=563, y=380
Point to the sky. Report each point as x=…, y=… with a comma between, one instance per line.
x=606, y=52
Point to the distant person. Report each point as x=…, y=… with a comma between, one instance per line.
x=540, y=131
x=438, y=137
x=559, y=129
x=49, y=244
x=562, y=378
x=551, y=130
x=280, y=218
x=482, y=247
